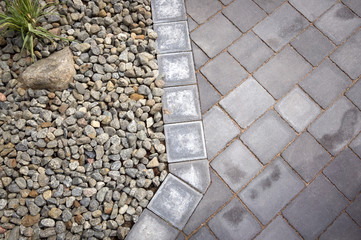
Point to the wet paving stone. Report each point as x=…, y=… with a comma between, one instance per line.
x=203, y=234
x=354, y=94
x=201, y=10
x=355, y=210
x=172, y=37
x=342, y=228
x=168, y=11
x=312, y=9
x=278, y=229
x=268, y=5
x=208, y=95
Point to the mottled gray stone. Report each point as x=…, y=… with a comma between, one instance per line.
x=269, y=5
x=226, y=34
x=342, y=228
x=200, y=58
x=268, y=136
x=247, y=102
x=309, y=213
x=175, y=201
x=224, y=72
x=218, y=130
x=250, y=51
x=195, y=173
x=298, y=109
x=178, y=68
x=354, y=94
x=337, y=126
x=181, y=104
x=208, y=95
x=172, y=37
x=202, y=234
x=282, y=72
x=271, y=190
x=236, y=165
x=356, y=145
x=201, y=10
x=168, y=11
x=355, y=210
x=280, y=27
x=185, y=141
x=355, y=5
x=306, y=156
x=312, y=9
x=151, y=227
x=234, y=222
x=278, y=229
x=244, y=14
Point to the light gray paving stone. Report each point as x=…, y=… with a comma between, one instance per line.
x=269, y=5
x=338, y=23
x=236, y=165
x=280, y=27
x=201, y=10
x=355, y=5
x=337, y=126
x=178, y=68
x=298, y=109
x=348, y=56
x=344, y=172
x=247, y=102
x=172, y=37
x=342, y=228
x=224, y=72
x=310, y=213
x=151, y=227
x=325, y=83
x=181, y=104
x=356, y=145
x=250, y=51
x=212, y=43
x=354, y=94
x=313, y=45
x=244, y=14
x=200, y=58
x=306, y=156
x=355, y=210
x=278, y=229
x=271, y=190
x=195, y=173
x=203, y=234
x=216, y=196
x=312, y=9
x=185, y=141
x=234, y=222
x=168, y=11
x=218, y=130
x=282, y=72
x=191, y=24
x=208, y=95
x=175, y=201
x=268, y=136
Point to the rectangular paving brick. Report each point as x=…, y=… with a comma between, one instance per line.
x=268, y=136
x=208, y=95
x=268, y=5
x=354, y=94
x=247, y=102
x=172, y=37
x=201, y=10
x=355, y=210
x=203, y=234
x=278, y=229
x=355, y=5
x=234, y=222
x=306, y=156
x=337, y=126
x=342, y=228
x=310, y=213
x=271, y=190
x=312, y=9
x=356, y=145
x=244, y=14
x=282, y=72
x=212, y=43
x=280, y=27
x=168, y=11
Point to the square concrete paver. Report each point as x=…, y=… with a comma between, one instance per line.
x=338, y=23
x=268, y=136
x=298, y=109
x=172, y=37
x=355, y=5
x=215, y=35
x=345, y=173
x=355, y=210
x=247, y=102
x=337, y=126
x=236, y=165
x=268, y=5
x=224, y=72
x=250, y=51
x=310, y=213
x=168, y=11
x=271, y=190
x=200, y=58
x=278, y=229
x=342, y=228
x=203, y=234
x=201, y=10
x=354, y=94
x=218, y=130
x=282, y=72
x=356, y=145
x=234, y=222
x=306, y=156
x=175, y=201
x=313, y=45
x=325, y=83
x=348, y=56
x=312, y=9
x=244, y=14
x=280, y=27
x=208, y=95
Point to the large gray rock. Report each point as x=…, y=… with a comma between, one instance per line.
x=53, y=73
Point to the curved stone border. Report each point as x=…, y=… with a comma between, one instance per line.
x=189, y=177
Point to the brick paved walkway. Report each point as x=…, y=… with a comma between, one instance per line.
x=280, y=99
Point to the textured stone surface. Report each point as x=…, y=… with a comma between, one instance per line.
x=168, y=11
x=203, y=234
x=278, y=229
x=342, y=228
x=208, y=95
x=312, y=9
x=172, y=37
x=355, y=210
x=201, y=10
x=354, y=94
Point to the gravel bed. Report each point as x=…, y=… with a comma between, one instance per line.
x=83, y=163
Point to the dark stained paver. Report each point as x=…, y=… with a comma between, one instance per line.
x=312, y=9
x=342, y=228
x=278, y=229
